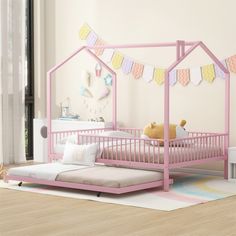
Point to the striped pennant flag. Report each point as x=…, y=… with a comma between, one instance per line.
x=231, y=62
x=137, y=70
x=127, y=65
x=218, y=72
x=208, y=73
x=117, y=60
x=91, y=39
x=148, y=73
x=172, y=78
x=107, y=55
x=183, y=76
x=159, y=75
x=99, y=51
x=196, y=75
x=84, y=31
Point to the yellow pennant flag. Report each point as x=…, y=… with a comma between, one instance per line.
x=117, y=60
x=84, y=31
x=159, y=75
x=208, y=73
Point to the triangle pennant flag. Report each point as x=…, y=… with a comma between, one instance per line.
x=231, y=62
x=127, y=65
x=159, y=75
x=208, y=73
x=137, y=70
x=148, y=73
x=183, y=76
x=196, y=75
x=172, y=78
x=107, y=55
x=218, y=72
x=91, y=39
x=117, y=60
x=84, y=31
x=99, y=51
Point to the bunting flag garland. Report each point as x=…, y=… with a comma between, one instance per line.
x=172, y=78
x=137, y=70
x=208, y=73
x=117, y=60
x=127, y=65
x=183, y=76
x=196, y=75
x=159, y=75
x=231, y=61
x=149, y=72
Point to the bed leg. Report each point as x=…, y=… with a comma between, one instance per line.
x=99, y=194
x=19, y=184
x=166, y=185
x=226, y=169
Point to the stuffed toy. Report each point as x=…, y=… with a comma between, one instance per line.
x=156, y=131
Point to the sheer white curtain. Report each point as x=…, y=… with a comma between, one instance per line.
x=13, y=73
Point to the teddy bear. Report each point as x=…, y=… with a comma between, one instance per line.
x=156, y=131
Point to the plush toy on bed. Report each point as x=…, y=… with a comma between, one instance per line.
x=156, y=131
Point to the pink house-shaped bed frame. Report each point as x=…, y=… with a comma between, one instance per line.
x=183, y=49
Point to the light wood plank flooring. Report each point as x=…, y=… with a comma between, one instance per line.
x=31, y=214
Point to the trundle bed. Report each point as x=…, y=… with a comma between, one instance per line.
x=125, y=161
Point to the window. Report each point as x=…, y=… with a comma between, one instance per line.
x=29, y=87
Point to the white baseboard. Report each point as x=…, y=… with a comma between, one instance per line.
x=200, y=171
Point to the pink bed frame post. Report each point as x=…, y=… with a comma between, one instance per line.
x=227, y=122
x=49, y=127
x=180, y=53
x=114, y=101
x=166, y=132
x=227, y=104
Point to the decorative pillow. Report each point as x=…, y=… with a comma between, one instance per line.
x=80, y=154
x=116, y=134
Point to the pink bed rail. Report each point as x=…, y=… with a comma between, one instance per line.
x=137, y=152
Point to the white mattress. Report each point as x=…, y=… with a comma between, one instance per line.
x=108, y=176
x=47, y=171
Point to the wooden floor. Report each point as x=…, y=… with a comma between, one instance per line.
x=31, y=214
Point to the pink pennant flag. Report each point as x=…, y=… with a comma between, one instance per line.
x=127, y=65
x=91, y=39
x=231, y=62
x=99, y=51
x=137, y=70
x=172, y=78
x=183, y=76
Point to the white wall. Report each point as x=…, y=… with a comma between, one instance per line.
x=144, y=21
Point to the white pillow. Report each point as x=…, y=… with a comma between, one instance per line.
x=116, y=134
x=80, y=154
